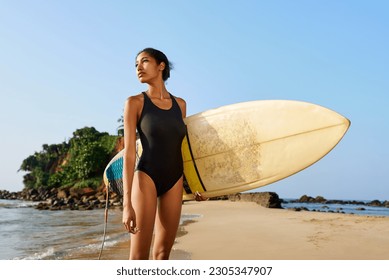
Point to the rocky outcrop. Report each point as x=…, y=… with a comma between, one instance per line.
x=265, y=199
x=65, y=198
x=9, y=195
x=320, y=199
x=309, y=199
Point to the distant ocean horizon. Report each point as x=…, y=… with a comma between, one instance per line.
x=30, y=234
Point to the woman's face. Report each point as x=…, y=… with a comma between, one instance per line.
x=147, y=68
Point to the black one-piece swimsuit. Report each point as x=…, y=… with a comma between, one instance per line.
x=161, y=133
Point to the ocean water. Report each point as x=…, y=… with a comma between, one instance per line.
x=30, y=234
x=27, y=233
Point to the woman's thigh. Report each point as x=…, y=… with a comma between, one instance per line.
x=144, y=202
x=168, y=219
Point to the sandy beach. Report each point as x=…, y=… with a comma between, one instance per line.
x=244, y=230
x=226, y=230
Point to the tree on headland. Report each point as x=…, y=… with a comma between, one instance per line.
x=78, y=162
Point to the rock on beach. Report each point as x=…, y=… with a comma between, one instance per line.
x=66, y=198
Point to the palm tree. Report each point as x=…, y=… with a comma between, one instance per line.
x=120, y=128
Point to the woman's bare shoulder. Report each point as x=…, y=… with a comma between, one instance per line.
x=135, y=100
x=134, y=103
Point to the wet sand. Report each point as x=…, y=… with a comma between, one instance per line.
x=121, y=250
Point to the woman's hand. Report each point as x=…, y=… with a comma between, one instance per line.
x=129, y=220
x=199, y=197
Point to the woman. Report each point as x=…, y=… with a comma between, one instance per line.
x=152, y=196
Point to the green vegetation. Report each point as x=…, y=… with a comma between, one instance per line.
x=80, y=162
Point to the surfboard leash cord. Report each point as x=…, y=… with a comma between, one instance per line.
x=105, y=221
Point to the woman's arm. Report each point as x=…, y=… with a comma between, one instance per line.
x=131, y=112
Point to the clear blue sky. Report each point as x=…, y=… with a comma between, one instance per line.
x=69, y=64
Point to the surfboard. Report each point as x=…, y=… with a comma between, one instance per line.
x=244, y=146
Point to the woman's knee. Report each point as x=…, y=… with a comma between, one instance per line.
x=161, y=253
